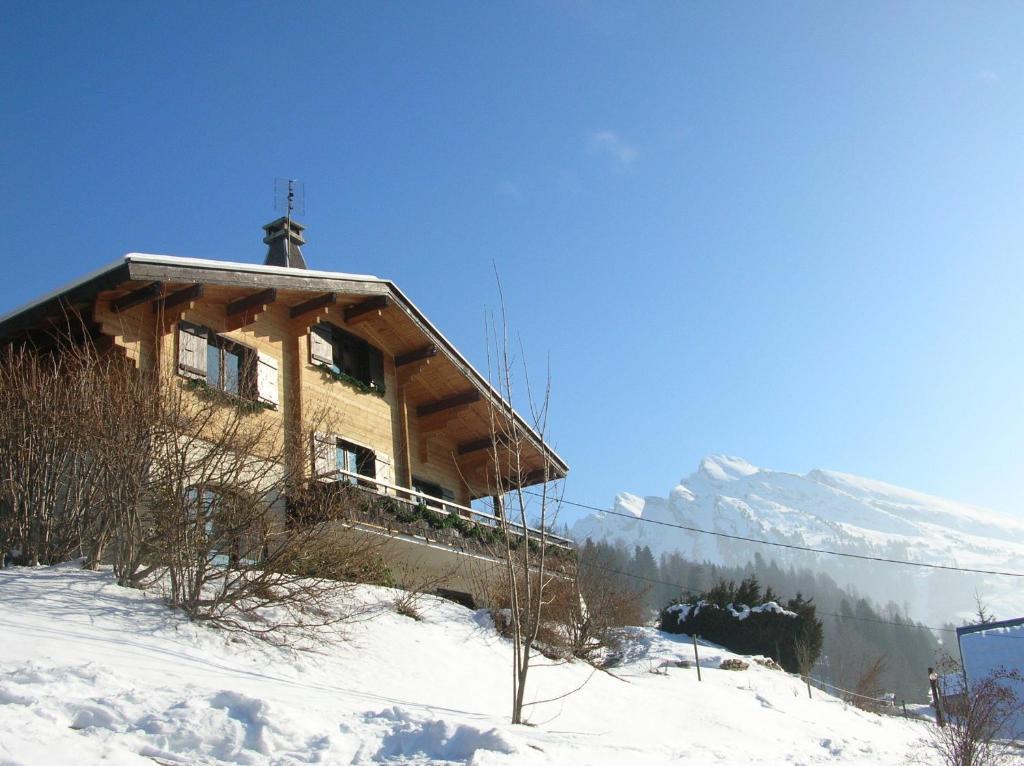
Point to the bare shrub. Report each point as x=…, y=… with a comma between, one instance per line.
x=587, y=612
x=74, y=434
x=175, y=489
x=869, y=689
x=41, y=456
x=980, y=725
x=225, y=549
x=416, y=583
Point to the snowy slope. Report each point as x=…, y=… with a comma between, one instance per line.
x=92, y=673
x=834, y=511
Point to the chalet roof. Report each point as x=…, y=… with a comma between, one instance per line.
x=985, y=626
x=148, y=268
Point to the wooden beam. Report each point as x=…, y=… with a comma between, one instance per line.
x=416, y=356
x=177, y=298
x=313, y=304
x=436, y=422
x=410, y=371
x=475, y=446
x=403, y=413
x=135, y=297
x=448, y=403
x=368, y=309
x=256, y=302
x=485, y=443
x=537, y=476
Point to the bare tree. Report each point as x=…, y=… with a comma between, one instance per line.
x=527, y=572
x=982, y=613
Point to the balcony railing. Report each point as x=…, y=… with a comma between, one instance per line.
x=414, y=512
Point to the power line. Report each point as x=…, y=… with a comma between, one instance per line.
x=691, y=591
x=792, y=546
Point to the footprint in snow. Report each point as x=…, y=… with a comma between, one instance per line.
x=834, y=749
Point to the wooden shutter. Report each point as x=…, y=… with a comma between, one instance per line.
x=376, y=368
x=266, y=379
x=321, y=350
x=383, y=471
x=325, y=456
x=192, y=350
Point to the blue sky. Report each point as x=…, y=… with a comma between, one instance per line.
x=791, y=231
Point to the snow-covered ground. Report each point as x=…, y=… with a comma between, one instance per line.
x=93, y=673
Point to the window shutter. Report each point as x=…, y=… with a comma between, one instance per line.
x=376, y=368
x=192, y=350
x=321, y=350
x=266, y=379
x=325, y=456
x=382, y=470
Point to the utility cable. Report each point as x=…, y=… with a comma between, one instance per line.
x=790, y=546
x=691, y=591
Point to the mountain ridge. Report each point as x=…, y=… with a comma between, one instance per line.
x=835, y=511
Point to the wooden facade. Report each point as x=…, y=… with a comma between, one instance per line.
x=419, y=408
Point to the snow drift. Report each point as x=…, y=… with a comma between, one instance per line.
x=93, y=673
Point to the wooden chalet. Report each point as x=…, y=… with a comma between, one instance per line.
x=414, y=418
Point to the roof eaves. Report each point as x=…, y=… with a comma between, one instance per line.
x=412, y=310
x=63, y=290
x=983, y=626
x=461, y=361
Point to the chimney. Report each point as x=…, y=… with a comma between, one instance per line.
x=284, y=243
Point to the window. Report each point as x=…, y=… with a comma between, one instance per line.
x=222, y=527
x=346, y=354
x=354, y=459
x=230, y=367
x=225, y=365
x=433, y=490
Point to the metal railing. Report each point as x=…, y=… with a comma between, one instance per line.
x=413, y=497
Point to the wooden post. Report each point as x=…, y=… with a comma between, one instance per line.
x=933, y=680
x=807, y=678
x=696, y=656
x=403, y=410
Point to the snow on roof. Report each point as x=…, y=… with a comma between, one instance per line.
x=215, y=265
x=62, y=289
x=198, y=263
x=205, y=263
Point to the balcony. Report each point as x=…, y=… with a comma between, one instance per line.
x=399, y=511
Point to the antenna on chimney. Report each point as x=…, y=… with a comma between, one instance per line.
x=289, y=196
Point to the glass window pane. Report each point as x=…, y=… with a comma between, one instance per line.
x=213, y=366
x=232, y=367
x=346, y=462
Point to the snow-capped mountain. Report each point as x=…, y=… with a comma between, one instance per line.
x=833, y=511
